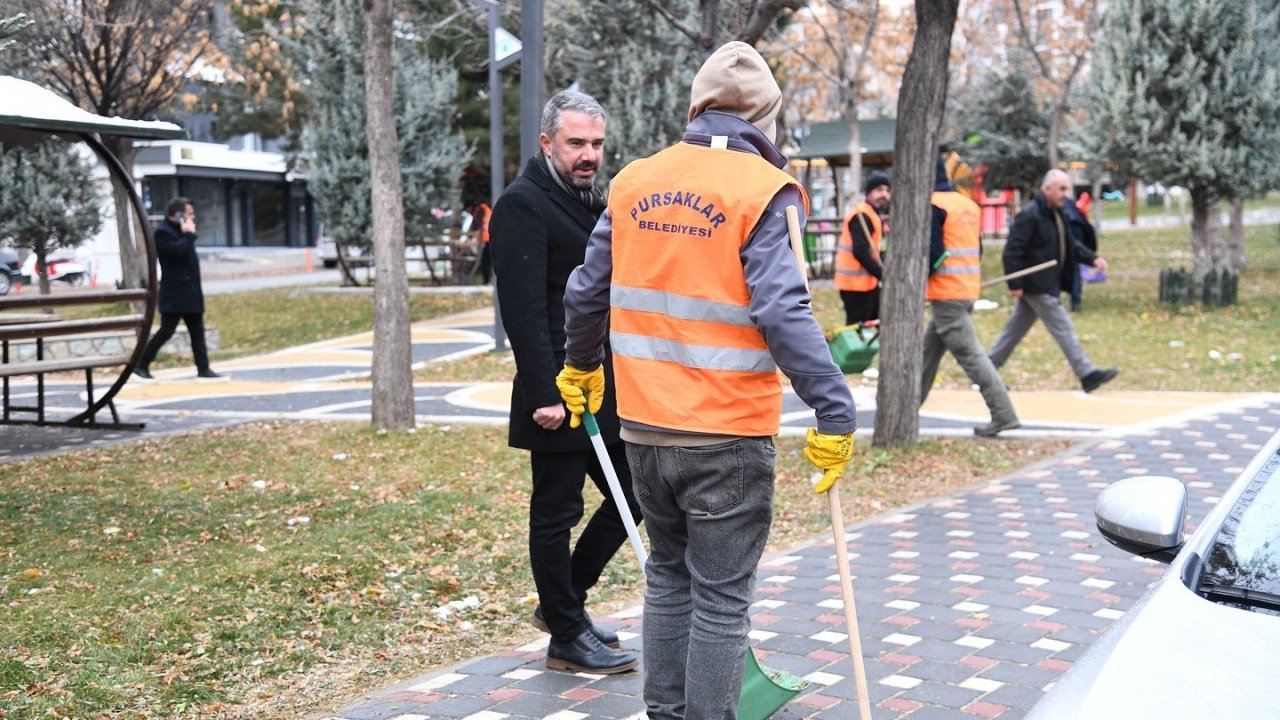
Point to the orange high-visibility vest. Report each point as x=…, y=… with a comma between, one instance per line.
x=686, y=354
x=960, y=276
x=485, y=212
x=850, y=275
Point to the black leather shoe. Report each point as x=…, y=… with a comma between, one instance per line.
x=143, y=373
x=210, y=375
x=607, y=637
x=586, y=653
x=1097, y=379
x=995, y=427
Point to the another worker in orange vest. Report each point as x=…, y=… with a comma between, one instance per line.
x=954, y=284
x=858, y=269
x=691, y=274
x=480, y=214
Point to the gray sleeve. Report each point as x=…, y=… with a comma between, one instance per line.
x=780, y=309
x=586, y=300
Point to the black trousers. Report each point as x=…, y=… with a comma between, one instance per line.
x=169, y=323
x=860, y=307
x=563, y=577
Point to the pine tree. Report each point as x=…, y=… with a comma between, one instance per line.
x=48, y=200
x=1186, y=94
x=1003, y=127
x=636, y=65
x=432, y=152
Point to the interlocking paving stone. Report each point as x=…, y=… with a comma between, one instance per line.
x=1001, y=586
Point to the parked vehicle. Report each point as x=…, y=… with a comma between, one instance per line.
x=1204, y=641
x=10, y=269
x=64, y=270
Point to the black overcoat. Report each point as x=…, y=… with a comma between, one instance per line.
x=1033, y=239
x=180, y=292
x=538, y=235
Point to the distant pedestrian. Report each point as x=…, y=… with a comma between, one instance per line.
x=1040, y=234
x=181, y=295
x=954, y=285
x=1083, y=233
x=858, y=268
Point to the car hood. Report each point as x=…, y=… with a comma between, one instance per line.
x=1174, y=655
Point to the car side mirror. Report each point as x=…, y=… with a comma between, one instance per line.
x=1144, y=515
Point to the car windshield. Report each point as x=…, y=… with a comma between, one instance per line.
x=1244, y=559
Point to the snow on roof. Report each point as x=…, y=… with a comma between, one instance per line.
x=28, y=105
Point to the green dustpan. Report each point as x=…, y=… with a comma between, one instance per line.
x=765, y=690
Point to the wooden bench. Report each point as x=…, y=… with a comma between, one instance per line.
x=37, y=327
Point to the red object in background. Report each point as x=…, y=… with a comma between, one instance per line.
x=1084, y=202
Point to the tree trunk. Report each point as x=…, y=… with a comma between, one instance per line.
x=1236, y=259
x=1208, y=250
x=1055, y=132
x=915, y=151
x=855, y=142
x=133, y=256
x=392, y=358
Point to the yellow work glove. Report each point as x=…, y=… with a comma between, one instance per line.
x=572, y=383
x=828, y=453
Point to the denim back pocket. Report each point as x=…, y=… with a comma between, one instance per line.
x=712, y=477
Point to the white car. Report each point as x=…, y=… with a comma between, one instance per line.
x=1204, y=641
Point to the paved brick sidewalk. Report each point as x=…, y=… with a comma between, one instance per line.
x=969, y=605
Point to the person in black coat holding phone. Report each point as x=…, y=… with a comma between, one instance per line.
x=538, y=235
x=181, y=297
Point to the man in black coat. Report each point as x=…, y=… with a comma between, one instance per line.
x=1040, y=234
x=538, y=235
x=181, y=297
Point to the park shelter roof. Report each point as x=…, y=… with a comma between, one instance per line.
x=830, y=141
x=26, y=105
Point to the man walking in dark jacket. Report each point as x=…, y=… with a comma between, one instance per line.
x=538, y=235
x=181, y=297
x=1039, y=234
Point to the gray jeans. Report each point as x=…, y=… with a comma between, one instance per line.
x=951, y=329
x=1049, y=310
x=708, y=510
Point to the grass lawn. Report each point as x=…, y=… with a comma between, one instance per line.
x=1123, y=324
x=275, y=570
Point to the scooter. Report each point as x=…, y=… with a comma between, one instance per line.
x=63, y=270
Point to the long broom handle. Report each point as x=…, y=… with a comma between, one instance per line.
x=1025, y=271
x=837, y=523
x=615, y=487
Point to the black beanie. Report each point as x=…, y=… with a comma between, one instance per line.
x=875, y=180
x=940, y=175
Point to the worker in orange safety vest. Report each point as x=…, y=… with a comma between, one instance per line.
x=955, y=277
x=858, y=268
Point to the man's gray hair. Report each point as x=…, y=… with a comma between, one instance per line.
x=567, y=100
x=1054, y=173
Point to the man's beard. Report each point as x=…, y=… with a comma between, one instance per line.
x=568, y=178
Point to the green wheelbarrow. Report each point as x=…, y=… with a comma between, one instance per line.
x=854, y=347
x=764, y=690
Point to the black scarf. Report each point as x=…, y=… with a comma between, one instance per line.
x=591, y=198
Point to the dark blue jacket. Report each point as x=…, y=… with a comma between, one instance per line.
x=1034, y=239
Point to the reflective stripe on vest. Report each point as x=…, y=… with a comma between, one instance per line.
x=960, y=276
x=687, y=355
x=850, y=275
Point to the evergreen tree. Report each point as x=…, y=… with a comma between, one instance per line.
x=432, y=152
x=48, y=200
x=636, y=65
x=1002, y=126
x=1186, y=94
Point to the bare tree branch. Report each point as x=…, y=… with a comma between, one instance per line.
x=1023, y=31
x=762, y=18
x=662, y=10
